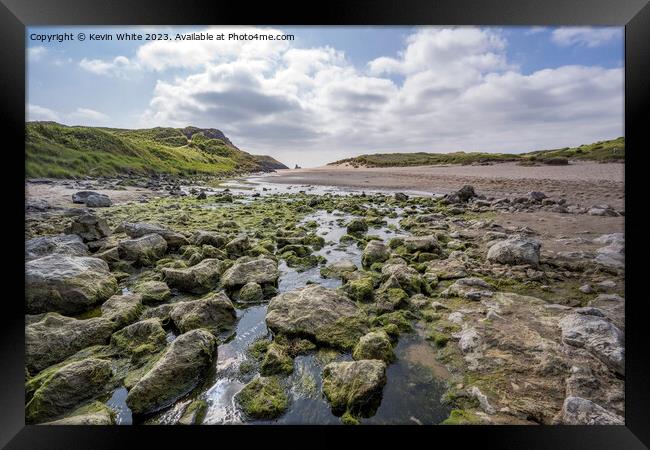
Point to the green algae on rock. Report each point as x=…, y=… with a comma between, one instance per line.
x=263, y=398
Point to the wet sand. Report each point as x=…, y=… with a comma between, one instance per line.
x=582, y=183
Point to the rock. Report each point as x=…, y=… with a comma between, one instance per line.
x=357, y=226
x=375, y=251
x=55, y=337
x=136, y=230
x=201, y=195
x=401, y=197
x=614, y=307
x=175, y=373
x=317, y=313
x=159, y=312
x=536, y=196
x=140, y=339
x=469, y=288
x=469, y=340
x=463, y=195
x=238, y=246
x=194, y=413
x=98, y=201
x=339, y=269
x=613, y=254
x=82, y=196
x=214, y=312
x=122, y=309
x=251, y=292
x=602, y=211
x=153, y=292
x=66, y=284
x=66, y=388
x=580, y=411
x=62, y=244
x=263, y=398
x=198, y=279
x=515, y=251
x=212, y=238
x=360, y=290
x=482, y=399
x=598, y=336
x=276, y=361
x=403, y=277
x=260, y=271
x=586, y=289
x=427, y=244
x=144, y=250
x=354, y=386
x=96, y=413
x=89, y=227
x=374, y=345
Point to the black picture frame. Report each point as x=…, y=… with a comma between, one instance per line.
x=15, y=15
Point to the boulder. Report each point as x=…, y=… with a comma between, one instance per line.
x=401, y=197
x=354, y=386
x=263, y=398
x=198, y=279
x=260, y=271
x=428, y=244
x=317, y=313
x=122, y=309
x=469, y=288
x=357, y=226
x=177, y=372
x=375, y=251
x=66, y=284
x=238, y=246
x=83, y=196
x=56, y=337
x=140, y=339
x=515, y=251
x=89, y=227
x=251, y=292
x=374, y=345
x=66, y=388
x=597, y=335
x=98, y=201
x=580, y=411
x=536, y=196
x=136, y=230
x=212, y=238
x=401, y=276
x=276, y=361
x=62, y=244
x=144, y=250
x=95, y=413
x=153, y=292
x=339, y=269
x=214, y=312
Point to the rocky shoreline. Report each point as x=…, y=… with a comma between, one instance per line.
x=143, y=293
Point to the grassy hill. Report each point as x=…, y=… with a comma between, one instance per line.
x=60, y=151
x=612, y=150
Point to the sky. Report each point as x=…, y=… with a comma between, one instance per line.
x=335, y=92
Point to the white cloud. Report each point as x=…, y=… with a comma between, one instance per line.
x=35, y=112
x=586, y=36
x=88, y=115
x=36, y=53
x=120, y=66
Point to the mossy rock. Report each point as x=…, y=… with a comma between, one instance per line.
x=360, y=290
x=461, y=417
x=276, y=361
x=263, y=398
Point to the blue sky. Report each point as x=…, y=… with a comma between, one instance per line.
x=335, y=92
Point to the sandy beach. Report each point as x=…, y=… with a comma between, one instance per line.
x=583, y=183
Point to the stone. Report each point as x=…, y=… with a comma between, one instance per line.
x=260, y=271
x=401, y=197
x=403, y=277
x=202, y=237
x=195, y=412
x=238, y=246
x=613, y=254
x=66, y=388
x=251, y=292
x=62, y=244
x=122, y=309
x=140, y=339
x=374, y=345
x=469, y=288
x=427, y=244
x=89, y=227
x=135, y=230
x=214, y=312
x=317, y=313
x=198, y=279
x=81, y=196
x=177, y=372
x=98, y=201
x=357, y=226
x=339, y=269
x=536, y=196
x=144, y=250
x=375, y=252
x=95, y=413
x=55, y=337
x=580, y=411
x=153, y=292
x=360, y=290
x=66, y=284
x=515, y=251
x=276, y=361
x=597, y=335
x=469, y=340
x=354, y=386
x=263, y=398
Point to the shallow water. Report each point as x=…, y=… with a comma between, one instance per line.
x=415, y=380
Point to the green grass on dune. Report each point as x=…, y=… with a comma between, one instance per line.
x=54, y=150
x=612, y=150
